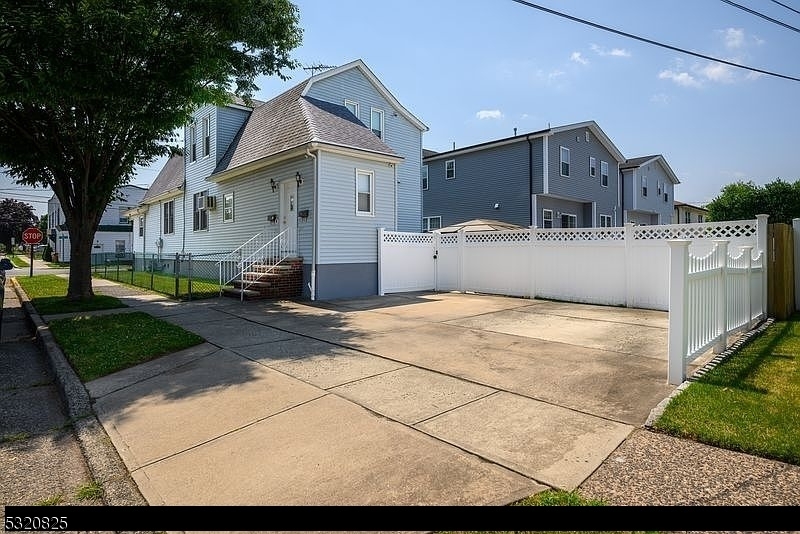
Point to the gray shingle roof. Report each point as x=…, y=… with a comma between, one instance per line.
x=636, y=162
x=291, y=120
x=169, y=179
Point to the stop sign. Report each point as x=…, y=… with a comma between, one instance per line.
x=31, y=236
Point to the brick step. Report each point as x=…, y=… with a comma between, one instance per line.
x=284, y=281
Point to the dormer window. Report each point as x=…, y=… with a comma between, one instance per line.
x=376, y=122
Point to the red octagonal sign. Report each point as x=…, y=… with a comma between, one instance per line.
x=31, y=236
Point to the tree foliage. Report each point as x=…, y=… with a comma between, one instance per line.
x=90, y=90
x=15, y=216
x=744, y=200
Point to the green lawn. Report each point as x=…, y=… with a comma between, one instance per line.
x=48, y=295
x=162, y=283
x=750, y=402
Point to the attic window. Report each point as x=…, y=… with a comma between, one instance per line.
x=352, y=106
x=376, y=122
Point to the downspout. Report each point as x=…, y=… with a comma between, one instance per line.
x=530, y=179
x=183, y=242
x=312, y=284
x=394, y=171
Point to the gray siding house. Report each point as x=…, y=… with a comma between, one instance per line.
x=562, y=177
x=648, y=186
x=332, y=159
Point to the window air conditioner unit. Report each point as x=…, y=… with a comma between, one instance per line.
x=210, y=202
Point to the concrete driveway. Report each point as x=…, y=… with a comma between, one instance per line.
x=407, y=399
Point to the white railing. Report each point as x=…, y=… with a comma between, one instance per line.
x=255, y=258
x=711, y=297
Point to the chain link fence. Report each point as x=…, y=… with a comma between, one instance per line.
x=184, y=276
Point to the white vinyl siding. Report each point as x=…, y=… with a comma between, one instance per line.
x=365, y=185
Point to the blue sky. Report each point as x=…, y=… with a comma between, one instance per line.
x=473, y=70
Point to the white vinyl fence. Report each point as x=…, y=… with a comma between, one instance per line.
x=628, y=266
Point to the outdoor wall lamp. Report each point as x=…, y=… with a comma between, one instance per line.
x=299, y=178
x=273, y=184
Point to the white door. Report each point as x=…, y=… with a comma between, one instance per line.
x=288, y=215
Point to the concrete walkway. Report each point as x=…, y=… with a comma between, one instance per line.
x=385, y=400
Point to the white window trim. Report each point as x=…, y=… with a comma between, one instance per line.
x=371, y=212
x=379, y=112
x=355, y=105
x=193, y=142
x=571, y=216
x=425, y=179
x=546, y=212
x=603, y=173
x=561, y=161
x=225, y=198
x=592, y=166
x=164, y=219
x=427, y=223
x=454, y=169
x=206, y=127
x=643, y=189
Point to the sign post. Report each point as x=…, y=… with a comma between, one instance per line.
x=31, y=237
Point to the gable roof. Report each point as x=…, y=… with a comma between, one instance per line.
x=636, y=163
x=293, y=120
x=168, y=182
x=590, y=125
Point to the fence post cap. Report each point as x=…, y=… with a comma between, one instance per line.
x=678, y=242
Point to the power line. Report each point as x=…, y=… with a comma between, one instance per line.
x=763, y=16
x=790, y=8
x=652, y=42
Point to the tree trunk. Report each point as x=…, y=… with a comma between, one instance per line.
x=81, y=236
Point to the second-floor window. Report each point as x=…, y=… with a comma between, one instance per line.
x=206, y=137
x=169, y=217
x=592, y=167
x=193, y=142
x=200, y=218
x=450, y=169
x=644, y=186
x=424, y=177
x=564, y=161
x=604, y=173
x=376, y=122
x=352, y=106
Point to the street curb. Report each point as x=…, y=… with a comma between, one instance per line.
x=103, y=460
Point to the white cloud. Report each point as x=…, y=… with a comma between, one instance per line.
x=552, y=75
x=732, y=37
x=717, y=72
x=660, y=98
x=489, y=114
x=681, y=78
x=615, y=52
x=577, y=58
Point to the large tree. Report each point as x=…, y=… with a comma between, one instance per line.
x=91, y=89
x=15, y=216
x=744, y=200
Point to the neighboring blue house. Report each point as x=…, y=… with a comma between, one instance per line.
x=325, y=164
x=648, y=186
x=563, y=177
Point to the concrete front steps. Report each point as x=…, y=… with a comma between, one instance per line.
x=283, y=281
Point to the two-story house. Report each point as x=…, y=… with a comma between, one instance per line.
x=562, y=177
x=114, y=234
x=688, y=213
x=648, y=190
x=324, y=164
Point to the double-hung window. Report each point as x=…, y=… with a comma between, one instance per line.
x=206, y=137
x=644, y=186
x=604, y=173
x=450, y=169
x=193, y=142
x=592, y=167
x=227, y=207
x=365, y=201
x=376, y=122
x=605, y=220
x=564, y=161
x=547, y=218
x=169, y=217
x=424, y=177
x=141, y=226
x=200, y=219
